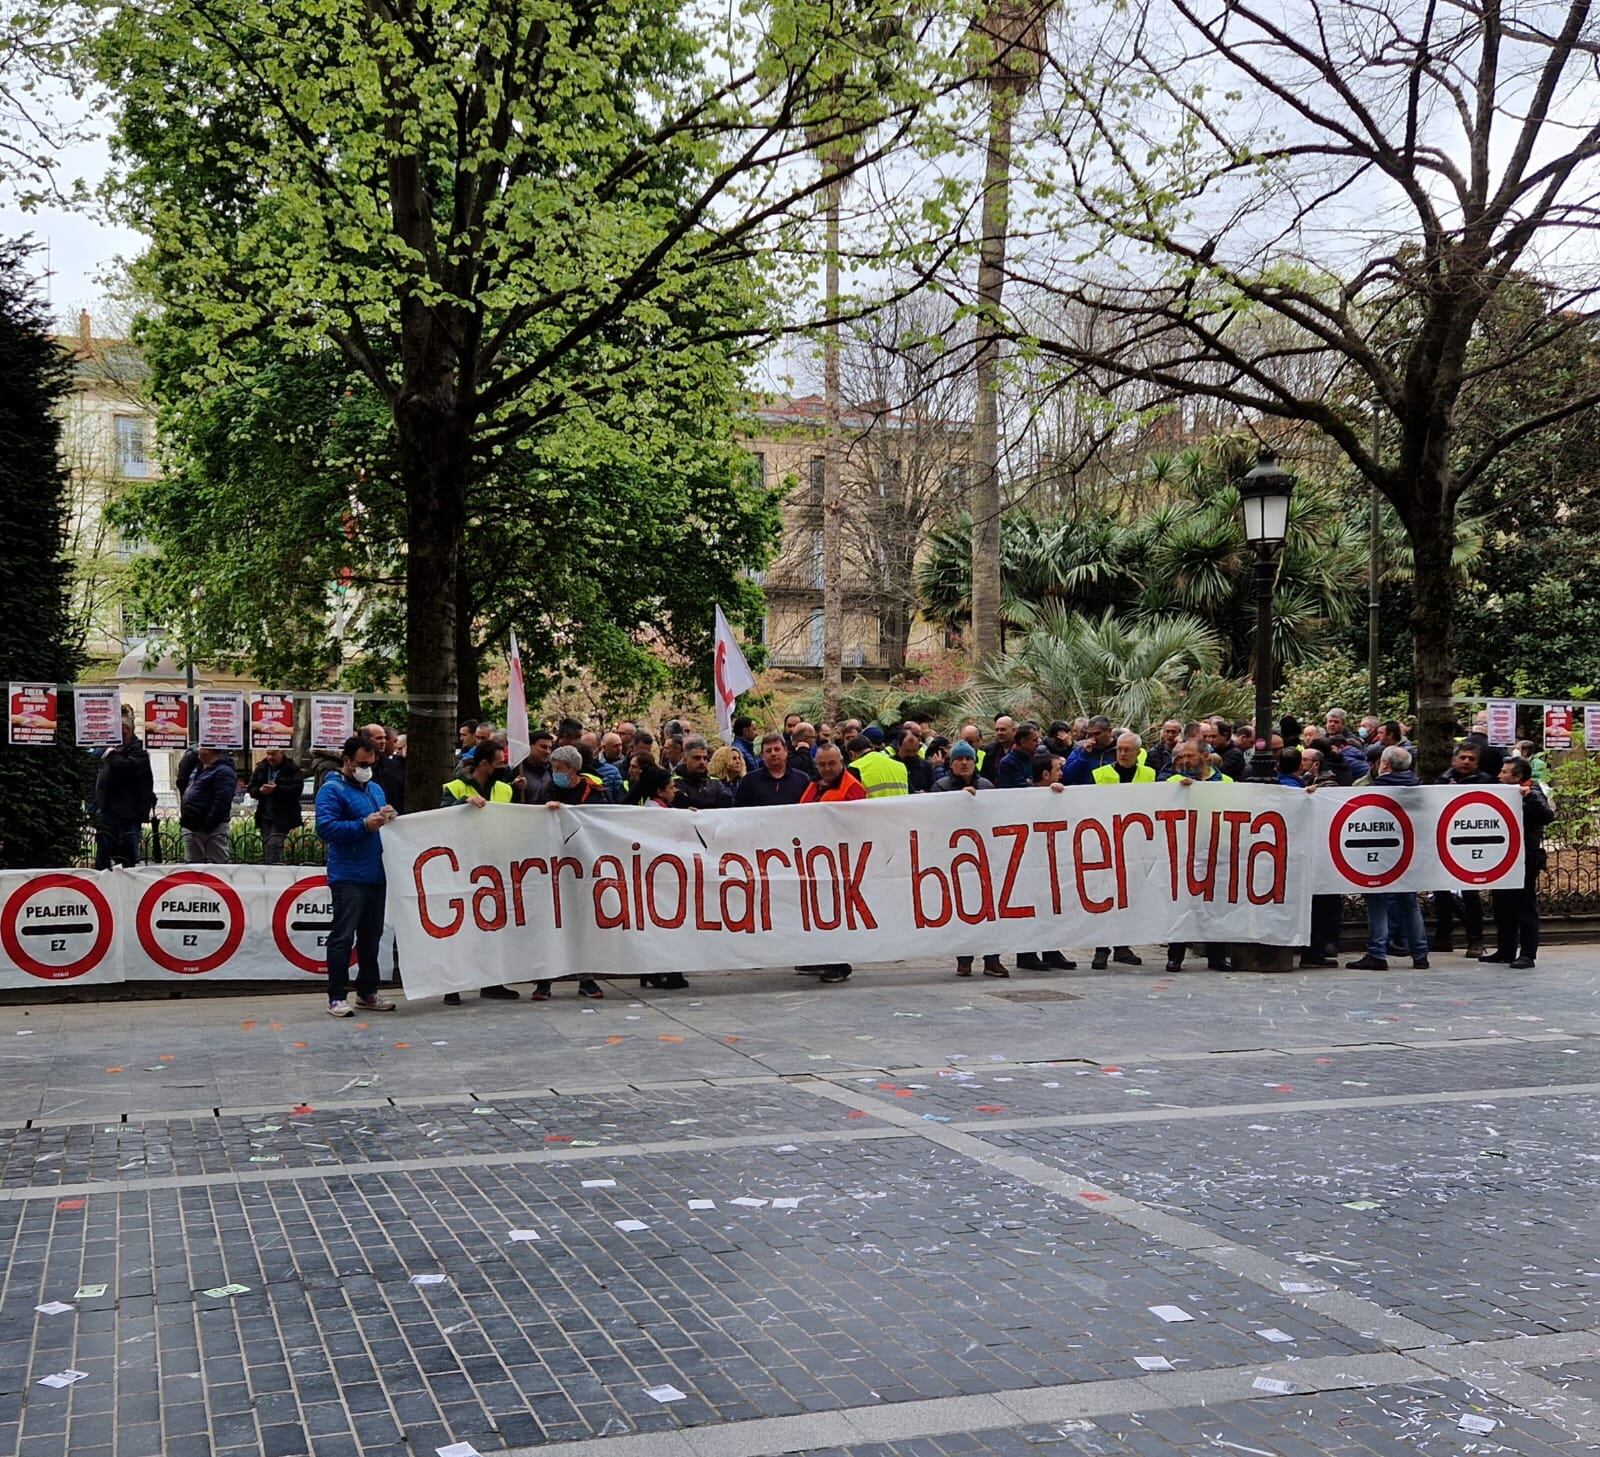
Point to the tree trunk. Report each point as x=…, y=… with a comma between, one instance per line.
x=434, y=451
x=986, y=636
x=832, y=483
x=469, y=688
x=1433, y=586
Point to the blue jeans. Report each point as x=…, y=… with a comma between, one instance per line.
x=1403, y=911
x=358, y=922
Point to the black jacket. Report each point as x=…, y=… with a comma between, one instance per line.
x=1396, y=779
x=919, y=775
x=1536, y=814
x=950, y=783
x=208, y=801
x=701, y=792
x=279, y=810
x=391, y=775
x=124, y=789
x=758, y=787
x=1451, y=777
x=1491, y=757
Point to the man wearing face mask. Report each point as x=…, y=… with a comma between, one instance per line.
x=569, y=785
x=351, y=809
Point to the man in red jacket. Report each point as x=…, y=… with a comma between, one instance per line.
x=833, y=784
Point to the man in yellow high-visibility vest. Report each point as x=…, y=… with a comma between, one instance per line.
x=881, y=775
x=1126, y=768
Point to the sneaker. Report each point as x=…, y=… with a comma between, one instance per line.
x=993, y=966
x=1419, y=963
x=1522, y=963
x=1030, y=961
x=500, y=994
x=540, y=992
x=1367, y=963
x=591, y=989
x=963, y=966
x=341, y=1009
x=1057, y=962
x=452, y=999
x=1127, y=956
x=374, y=1003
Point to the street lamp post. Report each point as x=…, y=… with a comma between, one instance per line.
x=1264, y=495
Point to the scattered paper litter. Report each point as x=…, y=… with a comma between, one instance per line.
x=702, y=1203
x=1300, y=1287
x=664, y=1393
x=1480, y=1426
x=683, y=1122
x=630, y=1226
x=63, y=1378
x=220, y=1292
x=1361, y=1205
x=522, y=1236
x=89, y=1292
x=785, y=1203
x=1272, y=1333
x=458, y=1449
x=54, y=1307
x=1153, y=1363
x=482, y=1111
x=599, y=1183
x=1270, y=1384
x=268, y=1128
x=787, y=1148
x=747, y=1203
x=26, y=1032
x=266, y=1158
x=1172, y=1314
x=420, y=1280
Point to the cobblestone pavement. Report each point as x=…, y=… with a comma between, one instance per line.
x=1320, y=1213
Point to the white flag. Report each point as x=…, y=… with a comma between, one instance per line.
x=730, y=676
x=516, y=708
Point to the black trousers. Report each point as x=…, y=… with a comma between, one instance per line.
x=358, y=922
x=1516, y=922
x=1216, y=953
x=1471, y=908
x=117, y=843
x=1327, y=914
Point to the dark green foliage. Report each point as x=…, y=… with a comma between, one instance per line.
x=41, y=789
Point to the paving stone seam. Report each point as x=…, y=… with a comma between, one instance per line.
x=909, y=1420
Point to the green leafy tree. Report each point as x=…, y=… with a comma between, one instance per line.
x=501, y=215
x=41, y=787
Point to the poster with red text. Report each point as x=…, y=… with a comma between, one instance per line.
x=221, y=720
x=333, y=720
x=97, y=716
x=166, y=721
x=271, y=721
x=33, y=713
x=1558, y=726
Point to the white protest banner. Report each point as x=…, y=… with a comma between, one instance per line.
x=511, y=891
x=271, y=721
x=1502, y=716
x=33, y=713
x=97, y=716
x=1425, y=837
x=220, y=717
x=1591, y=727
x=333, y=720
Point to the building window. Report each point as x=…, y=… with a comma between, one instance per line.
x=816, y=560
x=132, y=446
x=819, y=466
x=955, y=479
x=758, y=468
x=814, y=645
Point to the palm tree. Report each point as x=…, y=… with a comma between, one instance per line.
x=1133, y=672
x=1012, y=34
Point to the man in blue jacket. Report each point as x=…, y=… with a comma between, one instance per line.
x=206, y=808
x=351, y=809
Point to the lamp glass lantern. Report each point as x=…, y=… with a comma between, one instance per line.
x=1264, y=494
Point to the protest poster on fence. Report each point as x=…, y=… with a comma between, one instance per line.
x=1502, y=716
x=221, y=720
x=97, y=717
x=333, y=720
x=166, y=720
x=1558, y=719
x=33, y=713
x=1591, y=727
x=271, y=721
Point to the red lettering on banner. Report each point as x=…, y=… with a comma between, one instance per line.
x=702, y=922
x=763, y=859
x=491, y=890
x=638, y=888
x=1120, y=825
x=918, y=876
x=1207, y=887
x=809, y=887
x=1237, y=819
x=519, y=872
x=1050, y=829
x=672, y=922
x=431, y=926
x=1169, y=820
x=978, y=860
x=1085, y=866
x=746, y=883
x=1009, y=912
x=1277, y=856
x=613, y=882
x=807, y=895
x=560, y=863
x=857, y=912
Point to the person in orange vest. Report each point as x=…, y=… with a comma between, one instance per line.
x=833, y=786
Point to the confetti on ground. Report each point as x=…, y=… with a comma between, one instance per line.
x=54, y=1307
x=630, y=1226
x=458, y=1449
x=68, y=1205
x=599, y=1183
x=220, y=1292
x=1362, y=1205
x=1272, y=1333
x=421, y=1280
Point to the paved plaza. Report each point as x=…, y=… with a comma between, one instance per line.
x=1303, y=1215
